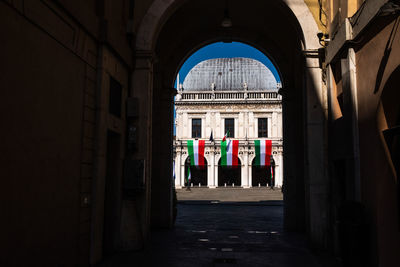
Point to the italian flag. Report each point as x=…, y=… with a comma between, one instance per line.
x=263, y=152
x=272, y=174
x=196, y=152
x=189, y=176
x=229, y=153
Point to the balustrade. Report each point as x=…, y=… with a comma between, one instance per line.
x=241, y=95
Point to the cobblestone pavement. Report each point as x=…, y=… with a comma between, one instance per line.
x=221, y=233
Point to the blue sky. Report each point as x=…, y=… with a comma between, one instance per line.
x=227, y=50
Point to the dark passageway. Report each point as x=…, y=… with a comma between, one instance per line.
x=226, y=234
x=87, y=106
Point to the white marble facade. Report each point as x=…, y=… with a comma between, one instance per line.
x=213, y=105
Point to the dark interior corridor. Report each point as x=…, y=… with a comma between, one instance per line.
x=208, y=234
x=87, y=106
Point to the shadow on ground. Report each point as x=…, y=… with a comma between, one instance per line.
x=226, y=234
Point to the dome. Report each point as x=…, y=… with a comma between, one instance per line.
x=227, y=74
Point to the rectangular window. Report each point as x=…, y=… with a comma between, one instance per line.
x=196, y=128
x=230, y=127
x=114, y=105
x=262, y=127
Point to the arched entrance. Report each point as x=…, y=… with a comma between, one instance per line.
x=263, y=175
x=291, y=44
x=198, y=174
x=229, y=175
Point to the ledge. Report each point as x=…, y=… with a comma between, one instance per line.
x=353, y=27
x=343, y=35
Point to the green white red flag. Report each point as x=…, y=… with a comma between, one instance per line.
x=272, y=173
x=225, y=136
x=229, y=153
x=189, y=175
x=263, y=152
x=196, y=152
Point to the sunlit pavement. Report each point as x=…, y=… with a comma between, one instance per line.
x=229, y=194
x=223, y=233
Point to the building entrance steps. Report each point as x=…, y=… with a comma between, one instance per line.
x=230, y=194
x=226, y=233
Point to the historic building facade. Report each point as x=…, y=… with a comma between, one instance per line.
x=235, y=95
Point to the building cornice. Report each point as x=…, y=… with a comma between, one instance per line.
x=242, y=102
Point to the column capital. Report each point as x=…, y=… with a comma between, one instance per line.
x=144, y=59
x=145, y=54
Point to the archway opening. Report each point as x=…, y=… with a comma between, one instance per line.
x=220, y=49
x=300, y=78
x=195, y=175
x=263, y=175
x=226, y=90
x=229, y=175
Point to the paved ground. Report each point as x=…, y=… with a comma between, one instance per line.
x=230, y=194
x=223, y=233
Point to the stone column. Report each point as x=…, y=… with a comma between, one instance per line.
x=316, y=178
x=274, y=125
x=177, y=167
x=245, y=169
x=215, y=170
x=211, y=169
x=250, y=127
x=278, y=170
x=350, y=116
x=250, y=175
x=236, y=129
x=161, y=178
x=182, y=166
x=135, y=211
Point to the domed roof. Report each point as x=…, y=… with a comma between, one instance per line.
x=229, y=74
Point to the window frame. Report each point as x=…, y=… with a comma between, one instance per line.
x=231, y=133
x=259, y=130
x=198, y=126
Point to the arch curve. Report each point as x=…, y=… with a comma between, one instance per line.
x=158, y=11
x=171, y=38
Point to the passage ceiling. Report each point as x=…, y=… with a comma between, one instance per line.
x=270, y=26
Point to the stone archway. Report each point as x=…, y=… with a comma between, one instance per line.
x=199, y=174
x=291, y=44
x=261, y=175
x=160, y=9
x=230, y=175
